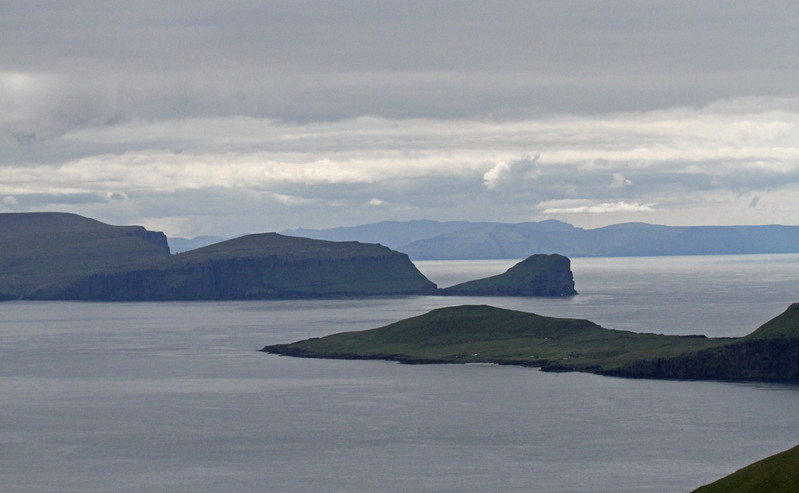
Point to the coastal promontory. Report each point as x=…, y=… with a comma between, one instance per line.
x=58, y=256
x=485, y=334
x=262, y=266
x=537, y=275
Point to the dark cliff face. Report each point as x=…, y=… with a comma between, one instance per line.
x=268, y=277
x=157, y=238
x=41, y=253
x=769, y=353
x=763, y=359
x=65, y=256
x=537, y=275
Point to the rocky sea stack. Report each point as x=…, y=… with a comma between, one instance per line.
x=537, y=275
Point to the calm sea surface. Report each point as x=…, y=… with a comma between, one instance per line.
x=135, y=397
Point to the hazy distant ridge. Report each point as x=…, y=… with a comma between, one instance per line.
x=432, y=240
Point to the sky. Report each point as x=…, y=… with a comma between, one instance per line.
x=208, y=117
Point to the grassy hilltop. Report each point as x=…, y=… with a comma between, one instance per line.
x=481, y=333
x=485, y=334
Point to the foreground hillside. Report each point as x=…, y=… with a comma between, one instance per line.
x=484, y=334
x=776, y=474
x=64, y=256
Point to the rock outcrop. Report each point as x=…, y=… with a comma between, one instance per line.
x=537, y=275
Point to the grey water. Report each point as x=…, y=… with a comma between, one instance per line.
x=175, y=397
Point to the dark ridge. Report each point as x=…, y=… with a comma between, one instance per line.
x=69, y=257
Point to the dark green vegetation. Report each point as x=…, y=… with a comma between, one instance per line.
x=481, y=333
x=432, y=240
x=484, y=334
x=537, y=275
x=776, y=474
x=64, y=256
x=42, y=253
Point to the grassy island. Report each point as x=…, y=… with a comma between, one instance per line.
x=485, y=334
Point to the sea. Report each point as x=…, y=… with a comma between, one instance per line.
x=176, y=397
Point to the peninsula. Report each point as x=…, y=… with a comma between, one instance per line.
x=58, y=256
x=485, y=334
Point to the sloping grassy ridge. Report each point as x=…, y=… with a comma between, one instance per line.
x=485, y=334
x=480, y=333
x=776, y=474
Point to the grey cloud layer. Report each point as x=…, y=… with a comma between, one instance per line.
x=373, y=168
x=212, y=117
x=333, y=60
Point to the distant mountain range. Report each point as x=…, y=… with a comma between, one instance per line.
x=434, y=240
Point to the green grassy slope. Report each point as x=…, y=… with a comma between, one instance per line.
x=483, y=333
x=776, y=474
x=783, y=326
x=464, y=334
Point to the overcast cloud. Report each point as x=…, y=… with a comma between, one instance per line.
x=207, y=117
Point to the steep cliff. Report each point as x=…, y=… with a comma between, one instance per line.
x=42, y=252
x=262, y=266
